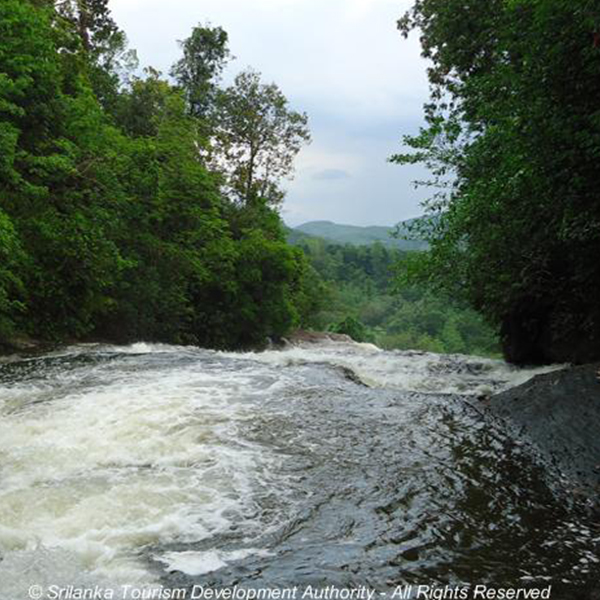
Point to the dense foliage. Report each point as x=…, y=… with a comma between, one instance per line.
x=362, y=300
x=114, y=220
x=513, y=142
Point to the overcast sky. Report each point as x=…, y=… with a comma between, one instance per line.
x=341, y=61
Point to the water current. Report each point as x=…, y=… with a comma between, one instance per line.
x=165, y=467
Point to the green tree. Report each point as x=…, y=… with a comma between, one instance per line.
x=197, y=72
x=257, y=136
x=59, y=189
x=142, y=104
x=352, y=327
x=111, y=223
x=513, y=122
x=10, y=284
x=107, y=56
x=170, y=227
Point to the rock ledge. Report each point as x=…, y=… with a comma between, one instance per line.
x=559, y=412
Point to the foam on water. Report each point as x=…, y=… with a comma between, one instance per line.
x=112, y=456
x=413, y=371
x=142, y=456
x=200, y=563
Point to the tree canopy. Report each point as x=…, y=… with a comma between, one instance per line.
x=257, y=137
x=513, y=143
x=113, y=224
x=205, y=54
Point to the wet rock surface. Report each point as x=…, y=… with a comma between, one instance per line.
x=559, y=413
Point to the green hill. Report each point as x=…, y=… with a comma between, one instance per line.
x=296, y=237
x=355, y=235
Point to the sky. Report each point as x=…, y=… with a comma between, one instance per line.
x=344, y=63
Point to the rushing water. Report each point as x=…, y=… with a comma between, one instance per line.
x=336, y=465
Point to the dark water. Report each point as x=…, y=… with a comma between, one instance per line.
x=160, y=465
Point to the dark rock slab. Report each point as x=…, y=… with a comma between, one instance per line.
x=559, y=412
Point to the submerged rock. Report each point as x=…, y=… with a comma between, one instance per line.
x=559, y=412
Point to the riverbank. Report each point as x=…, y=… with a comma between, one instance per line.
x=300, y=337
x=559, y=413
x=25, y=346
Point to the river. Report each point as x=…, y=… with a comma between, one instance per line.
x=330, y=465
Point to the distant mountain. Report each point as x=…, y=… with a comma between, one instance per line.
x=355, y=235
x=295, y=236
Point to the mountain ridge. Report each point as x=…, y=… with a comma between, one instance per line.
x=357, y=235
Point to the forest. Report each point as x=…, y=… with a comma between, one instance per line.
x=140, y=206
x=361, y=297
x=512, y=139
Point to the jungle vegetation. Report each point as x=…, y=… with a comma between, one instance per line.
x=140, y=206
x=361, y=298
x=512, y=139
